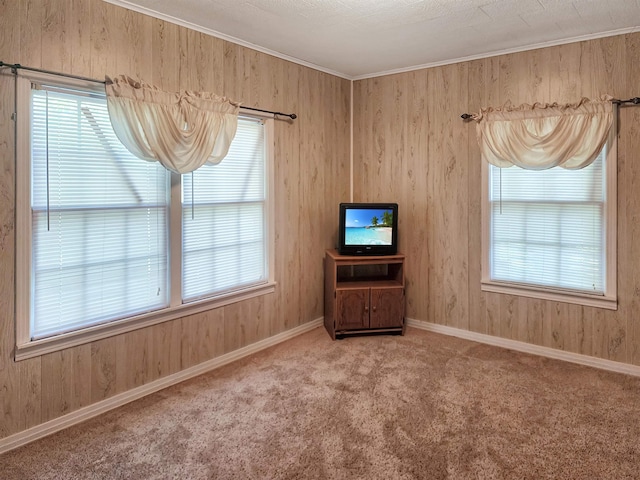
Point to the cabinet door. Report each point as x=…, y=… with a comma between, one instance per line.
x=352, y=309
x=387, y=307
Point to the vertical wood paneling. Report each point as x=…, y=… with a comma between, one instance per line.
x=609, y=75
x=477, y=302
x=56, y=41
x=9, y=46
x=244, y=323
x=29, y=404
x=568, y=327
x=313, y=157
x=94, y=38
x=285, y=304
x=531, y=322
x=538, y=66
x=202, y=337
x=554, y=328
x=165, y=71
x=409, y=145
x=630, y=152
x=571, y=69
x=563, y=74
x=65, y=377
x=509, y=316
x=369, y=172
x=104, y=34
x=10, y=15
x=131, y=43
x=493, y=313
x=489, y=94
x=9, y=375
x=133, y=359
x=165, y=350
x=413, y=198
x=395, y=127
x=448, y=196
x=103, y=369
x=236, y=71
x=31, y=31
x=20, y=384
x=336, y=119
x=80, y=37
x=361, y=138
x=508, y=80
x=197, y=54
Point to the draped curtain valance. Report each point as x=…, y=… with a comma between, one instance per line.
x=541, y=136
x=182, y=130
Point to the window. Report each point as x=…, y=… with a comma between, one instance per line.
x=109, y=242
x=223, y=214
x=98, y=218
x=551, y=233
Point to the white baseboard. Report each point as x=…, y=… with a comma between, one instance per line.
x=600, y=363
x=22, y=438
x=39, y=431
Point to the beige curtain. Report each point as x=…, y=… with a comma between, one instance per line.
x=541, y=136
x=182, y=131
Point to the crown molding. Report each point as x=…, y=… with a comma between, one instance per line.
x=171, y=19
x=480, y=56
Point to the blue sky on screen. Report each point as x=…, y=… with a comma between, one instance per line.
x=357, y=217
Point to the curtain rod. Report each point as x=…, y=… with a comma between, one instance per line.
x=633, y=101
x=15, y=66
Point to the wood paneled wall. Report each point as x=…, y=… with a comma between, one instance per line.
x=412, y=146
x=93, y=38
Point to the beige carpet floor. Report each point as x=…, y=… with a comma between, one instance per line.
x=419, y=406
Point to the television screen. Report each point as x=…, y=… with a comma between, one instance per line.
x=368, y=228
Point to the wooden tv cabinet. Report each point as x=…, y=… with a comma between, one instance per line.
x=363, y=294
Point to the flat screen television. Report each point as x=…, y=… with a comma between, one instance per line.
x=368, y=229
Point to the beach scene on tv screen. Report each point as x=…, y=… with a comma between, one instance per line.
x=368, y=226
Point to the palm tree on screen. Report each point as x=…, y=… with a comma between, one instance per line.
x=387, y=218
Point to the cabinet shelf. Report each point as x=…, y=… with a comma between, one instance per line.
x=379, y=282
x=363, y=294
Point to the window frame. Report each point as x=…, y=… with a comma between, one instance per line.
x=28, y=348
x=609, y=299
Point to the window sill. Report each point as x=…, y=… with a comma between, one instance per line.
x=598, y=301
x=40, y=347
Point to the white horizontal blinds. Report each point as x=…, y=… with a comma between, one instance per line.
x=99, y=218
x=223, y=219
x=547, y=227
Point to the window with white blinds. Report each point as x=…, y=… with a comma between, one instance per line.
x=224, y=244
x=97, y=255
x=98, y=216
x=550, y=229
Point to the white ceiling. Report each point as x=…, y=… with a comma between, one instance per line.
x=364, y=38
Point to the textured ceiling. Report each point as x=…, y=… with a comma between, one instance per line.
x=363, y=38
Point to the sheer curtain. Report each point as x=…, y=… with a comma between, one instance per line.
x=541, y=136
x=545, y=229
x=182, y=130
